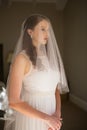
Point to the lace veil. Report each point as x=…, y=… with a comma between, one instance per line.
x=49, y=50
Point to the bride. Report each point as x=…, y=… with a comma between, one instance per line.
x=36, y=78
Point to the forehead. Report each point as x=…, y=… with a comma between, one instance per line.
x=43, y=23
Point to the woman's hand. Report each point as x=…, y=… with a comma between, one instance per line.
x=54, y=122
x=58, y=115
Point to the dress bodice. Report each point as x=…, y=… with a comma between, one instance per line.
x=41, y=79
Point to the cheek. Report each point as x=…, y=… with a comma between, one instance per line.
x=40, y=36
x=35, y=36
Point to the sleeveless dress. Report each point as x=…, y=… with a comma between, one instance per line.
x=38, y=91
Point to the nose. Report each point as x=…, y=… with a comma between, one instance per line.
x=46, y=34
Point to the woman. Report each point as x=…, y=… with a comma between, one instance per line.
x=36, y=78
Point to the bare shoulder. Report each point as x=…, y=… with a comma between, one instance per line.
x=18, y=64
x=21, y=63
x=21, y=59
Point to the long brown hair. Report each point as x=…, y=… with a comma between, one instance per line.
x=30, y=23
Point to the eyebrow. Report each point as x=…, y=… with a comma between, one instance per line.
x=42, y=26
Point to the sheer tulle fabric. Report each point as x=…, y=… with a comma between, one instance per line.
x=51, y=51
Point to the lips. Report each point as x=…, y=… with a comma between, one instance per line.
x=46, y=39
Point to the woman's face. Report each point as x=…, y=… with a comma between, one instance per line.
x=39, y=34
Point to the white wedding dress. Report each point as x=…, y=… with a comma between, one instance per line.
x=38, y=91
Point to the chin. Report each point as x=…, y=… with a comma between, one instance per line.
x=45, y=42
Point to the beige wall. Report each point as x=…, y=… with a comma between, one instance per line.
x=75, y=48
x=12, y=17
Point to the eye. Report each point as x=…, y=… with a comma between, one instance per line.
x=43, y=29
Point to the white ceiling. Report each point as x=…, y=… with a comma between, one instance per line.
x=60, y=4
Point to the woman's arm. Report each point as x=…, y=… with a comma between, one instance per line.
x=58, y=103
